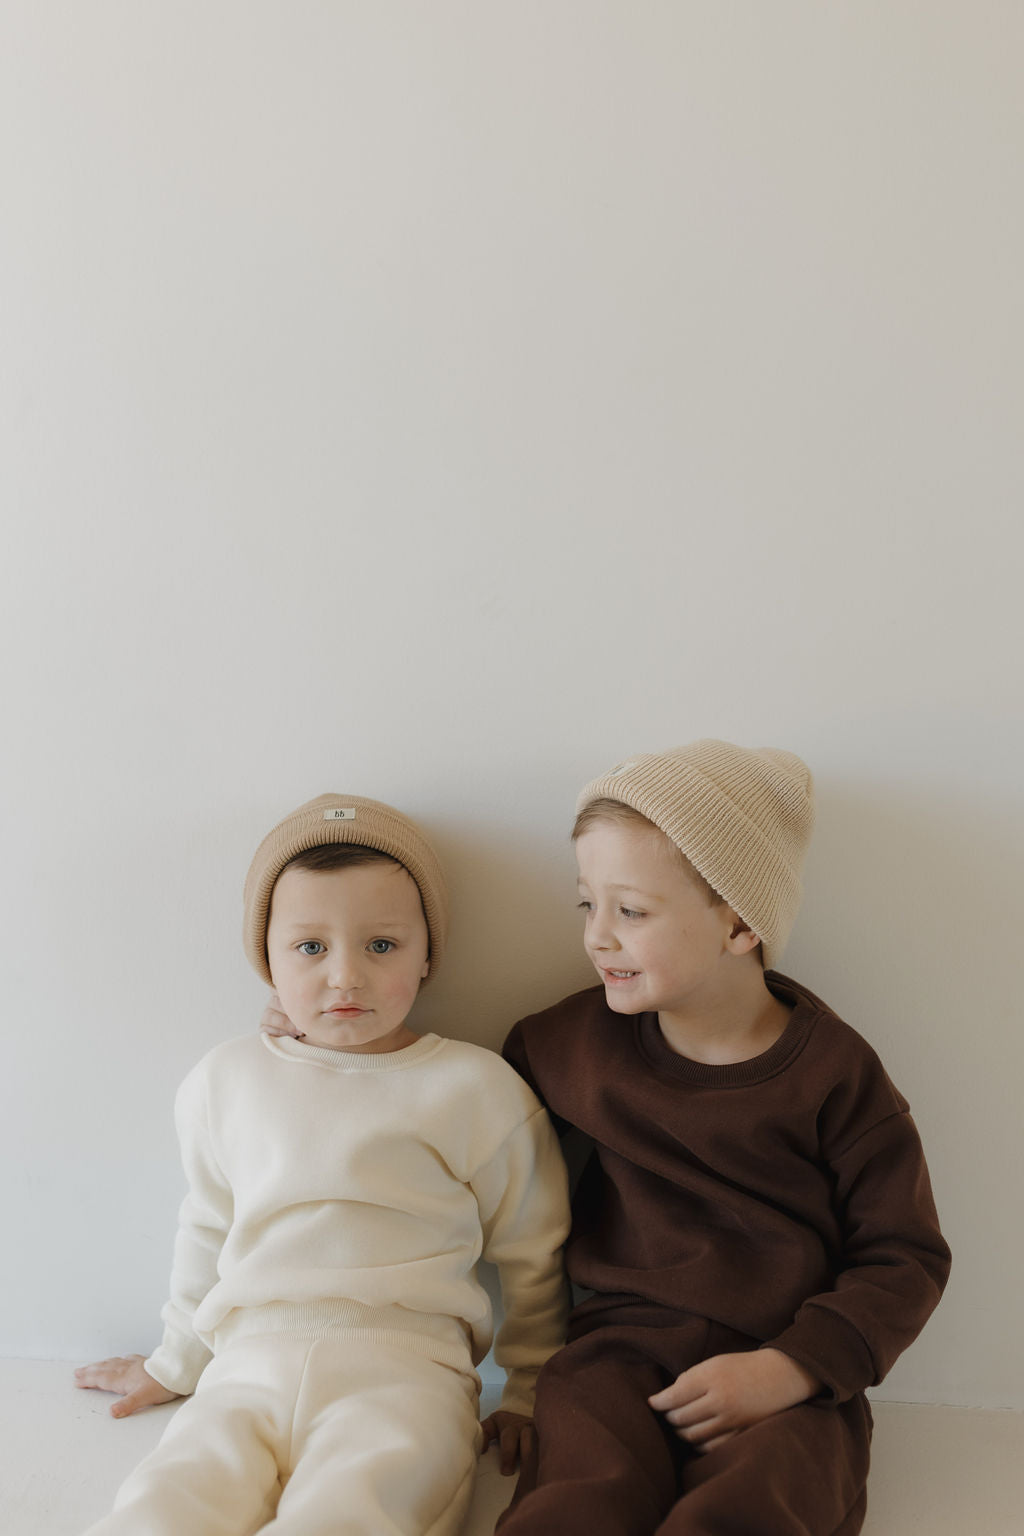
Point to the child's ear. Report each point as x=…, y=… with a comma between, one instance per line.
x=741, y=938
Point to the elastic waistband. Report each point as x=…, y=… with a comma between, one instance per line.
x=440, y=1338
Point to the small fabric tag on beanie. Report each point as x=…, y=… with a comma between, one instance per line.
x=613, y=773
x=338, y=813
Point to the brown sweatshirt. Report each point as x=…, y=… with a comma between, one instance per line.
x=786, y=1197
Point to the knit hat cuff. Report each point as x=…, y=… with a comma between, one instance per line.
x=342, y=819
x=754, y=865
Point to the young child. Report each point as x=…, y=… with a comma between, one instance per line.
x=324, y=1304
x=755, y=1221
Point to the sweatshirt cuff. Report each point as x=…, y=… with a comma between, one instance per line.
x=519, y=1393
x=178, y=1370
x=831, y=1349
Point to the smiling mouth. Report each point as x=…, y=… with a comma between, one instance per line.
x=620, y=975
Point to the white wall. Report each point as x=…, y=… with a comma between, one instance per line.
x=440, y=402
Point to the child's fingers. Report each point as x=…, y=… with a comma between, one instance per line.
x=677, y=1394
x=87, y=1372
x=700, y=1435
x=512, y=1433
x=691, y=1410
x=147, y=1396
x=275, y=1022
x=687, y=1387
x=691, y=1414
x=716, y=1441
x=107, y=1375
x=513, y=1442
x=279, y=1025
x=128, y=1377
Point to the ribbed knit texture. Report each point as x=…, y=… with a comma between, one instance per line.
x=742, y=816
x=372, y=824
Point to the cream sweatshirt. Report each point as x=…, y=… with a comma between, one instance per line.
x=332, y=1189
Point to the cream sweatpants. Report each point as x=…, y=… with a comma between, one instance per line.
x=327, y=1436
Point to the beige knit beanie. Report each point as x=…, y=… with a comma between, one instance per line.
x=742, y=817
x=342, y=819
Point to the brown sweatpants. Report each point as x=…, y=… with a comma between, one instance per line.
x=607, y=1465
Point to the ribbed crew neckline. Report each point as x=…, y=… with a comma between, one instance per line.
x=655, y=1049
x=355, y=1061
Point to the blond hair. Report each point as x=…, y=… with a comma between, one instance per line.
x=620, y=814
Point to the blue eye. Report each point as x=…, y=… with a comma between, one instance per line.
x=381, y=946
x=311, y=947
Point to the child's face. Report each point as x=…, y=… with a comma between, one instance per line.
x=654, y=939
x=348, y=949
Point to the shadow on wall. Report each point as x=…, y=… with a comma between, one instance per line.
x=909, y=896
x=515, y=941
x=909, y=931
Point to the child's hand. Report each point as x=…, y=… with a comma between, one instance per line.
x=713, y=1401
x=513, y=1435
x=275, y=1023
x=126, y=1375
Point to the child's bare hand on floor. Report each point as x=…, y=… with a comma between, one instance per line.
x=275, y=1023
x=126, y=1375
x=513, y=1435
x=713, y=1401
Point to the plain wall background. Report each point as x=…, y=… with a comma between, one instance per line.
x=442, y=401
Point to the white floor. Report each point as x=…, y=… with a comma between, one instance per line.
x=937, y=1471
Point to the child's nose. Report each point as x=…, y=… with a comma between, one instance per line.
x=600, y=934
x=345, y=971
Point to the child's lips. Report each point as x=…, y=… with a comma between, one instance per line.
x=346, y=1013
x=619, y=976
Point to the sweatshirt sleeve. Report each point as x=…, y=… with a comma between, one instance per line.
x=518, y=1057
x=203, y=1222
x=893, y=1266
x=524, y=1211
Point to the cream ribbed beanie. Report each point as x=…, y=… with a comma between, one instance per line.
x=742, y=817
x=342, y=819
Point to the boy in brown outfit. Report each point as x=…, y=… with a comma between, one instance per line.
x=755, y=1220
